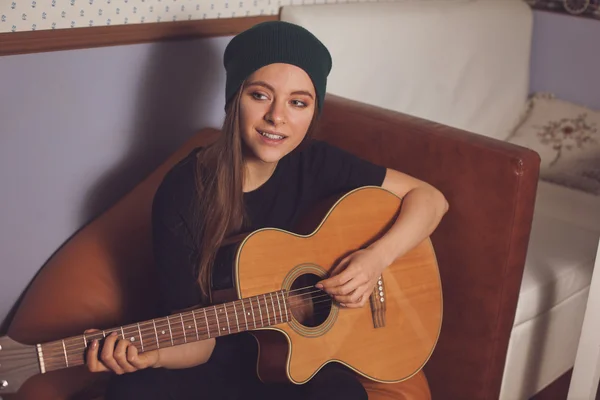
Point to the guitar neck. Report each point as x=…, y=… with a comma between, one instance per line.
x=199, y=324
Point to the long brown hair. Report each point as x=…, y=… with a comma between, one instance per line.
x=220, y=173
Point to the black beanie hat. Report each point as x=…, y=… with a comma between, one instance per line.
x=276, y=42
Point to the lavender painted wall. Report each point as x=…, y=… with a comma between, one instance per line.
x=79, y=128
x=565, y=57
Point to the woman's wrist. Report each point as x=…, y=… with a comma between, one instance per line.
x=383, y=253
x=157, y=362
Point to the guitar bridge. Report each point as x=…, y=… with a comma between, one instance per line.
x=377, y=300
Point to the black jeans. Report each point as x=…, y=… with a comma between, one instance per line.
x=230, y=374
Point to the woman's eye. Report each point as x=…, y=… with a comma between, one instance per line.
x=259, y=96
x=299, y=103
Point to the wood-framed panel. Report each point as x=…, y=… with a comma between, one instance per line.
x=80, y=38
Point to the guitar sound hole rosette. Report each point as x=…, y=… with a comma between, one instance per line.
x=313, y=312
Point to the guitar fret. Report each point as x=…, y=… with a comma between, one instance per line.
x=122, y=333
x=227, y=318
x=65, y=351
x=195, y=325
x=170, y=332
x=252, y=308
x=141, y=340
x=279, y=304
x=267, y=307
x=85, y=341
x=236, y=317
x=156, y=334
x=287, y=316
x=217, y=317
x=244, y=310
x=183, y=326
x=206, y=319
x=274, y=310
x=262, y=321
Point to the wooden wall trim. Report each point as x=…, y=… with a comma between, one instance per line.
x=80, y=38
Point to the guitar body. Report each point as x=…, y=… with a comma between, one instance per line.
x=388, y=340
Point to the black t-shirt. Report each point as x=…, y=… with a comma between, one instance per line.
x=300, y=180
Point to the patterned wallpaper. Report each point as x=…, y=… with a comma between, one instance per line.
x=580, y=8
x=28, y=15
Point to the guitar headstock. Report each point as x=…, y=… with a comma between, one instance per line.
x=18, y=362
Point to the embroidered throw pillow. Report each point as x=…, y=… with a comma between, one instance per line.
x=567, y=138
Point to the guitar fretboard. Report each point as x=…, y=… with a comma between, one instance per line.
x=177, y=329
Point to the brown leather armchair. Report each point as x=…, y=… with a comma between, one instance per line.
x=102, y=277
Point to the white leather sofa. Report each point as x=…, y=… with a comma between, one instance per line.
x=465, y=63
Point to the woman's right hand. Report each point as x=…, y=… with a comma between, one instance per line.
x=118, y=355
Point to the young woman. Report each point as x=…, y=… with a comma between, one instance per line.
x=263, y=171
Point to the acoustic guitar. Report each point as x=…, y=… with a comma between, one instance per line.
x=388, y=340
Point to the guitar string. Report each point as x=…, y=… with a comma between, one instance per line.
x=294, y=290
x=187, y=320
x=160, y=323
x=56, y=359
x=74, y=343
x=147, y=326
x=57, y=356
x=69, y=341
x=76, y=346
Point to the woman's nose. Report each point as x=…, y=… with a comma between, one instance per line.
x=276, y=114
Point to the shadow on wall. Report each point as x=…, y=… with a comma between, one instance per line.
x=167, y=112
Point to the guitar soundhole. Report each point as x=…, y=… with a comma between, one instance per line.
x=310, y=306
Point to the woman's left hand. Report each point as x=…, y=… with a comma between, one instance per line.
x=351, y=282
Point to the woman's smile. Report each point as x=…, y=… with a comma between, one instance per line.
x=271, y=137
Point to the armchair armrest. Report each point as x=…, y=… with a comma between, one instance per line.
x=481, y=243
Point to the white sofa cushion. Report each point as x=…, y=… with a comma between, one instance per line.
x=567, y=138
x=568, y=205
x=562, y=248
x=463, y=63
x=560, y=260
